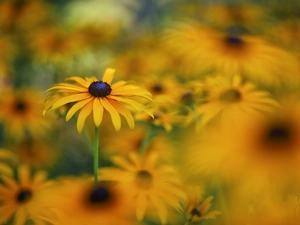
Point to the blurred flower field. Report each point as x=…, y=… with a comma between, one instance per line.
x=173, y=112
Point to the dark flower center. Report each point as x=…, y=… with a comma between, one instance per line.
x=99, y=195
x=20, y=106
x=195, y=212
x=24, y=196
x=230, y=95
x=234, y=41
x=157, y=88
x=99, y=89
x=279, y=134
x=143, y=179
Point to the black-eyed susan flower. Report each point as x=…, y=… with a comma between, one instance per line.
x=232, y=51
x=79, y=202
x=6, y=158
x=21, y=113
x=270, y=145
x=147, y=183
x=91, y=95
x=23, y=200
x=232, y=101
x=195, y=208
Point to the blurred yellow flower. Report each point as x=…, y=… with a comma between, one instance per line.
x=232, y=101
x=94, y=95
x=147, y=182
x=24, y=200
x=197, y=210
x=230, y=52
x=79, y=202
x=21, y=113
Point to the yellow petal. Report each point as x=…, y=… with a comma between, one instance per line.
x=24, y=175
x=161, y=208
x=108, y=75
x=118, y=84
x=115, y=117
x=39, y=178
x=76, y=107
x=97, y=111
x=6, y=211
x=5, y=169
x=206, y=205
x=84, y=113
x=141, y=206
x=70, y=98
x=80, y=81
x=20, y=217
x=124, y=112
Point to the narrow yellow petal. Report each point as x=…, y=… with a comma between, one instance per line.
x=20, y=217
x=115, y=117
x=24, y=175
x=123, y=163
x=10, y=183
x=5, y=169
x=97, y=111
x=6, y=211
x=206, y=205
x=141, y=206
x=84, y=113
x=76, y=107
x=118, y=84
x=67, y=87
x=39, y=178
x=161, y=208
x=71, y=98
x=80, y=81
x=108, y=75
x=124, y=112
x=139, y=107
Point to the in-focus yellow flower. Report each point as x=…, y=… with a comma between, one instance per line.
x=25, y=199
x=79, y=202
x=6, y=157
x=232, y=101
x=197, y=210
x=21, y=113
x=148, y=183
x=94, y=95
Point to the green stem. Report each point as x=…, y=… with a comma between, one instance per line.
x=147, y=139
x=96, y=154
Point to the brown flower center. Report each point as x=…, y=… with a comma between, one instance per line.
x=234, y=41
x=24, y=196
x=99, y=89
x=20, y=106
x=143, y=179
x=99, y=195
x=230, y=95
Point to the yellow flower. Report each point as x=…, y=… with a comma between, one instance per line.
x=21, y=113
x=270, y=145
x=5, y=157
x=232, y=52
x=233, y=101
x=25, y=199
x=79, y=202
x=148, y=183
x=36, y=152
x=94, y=95
x=196, y=210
